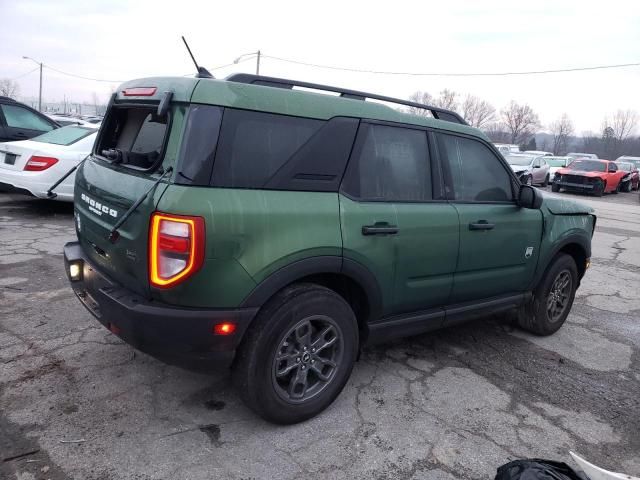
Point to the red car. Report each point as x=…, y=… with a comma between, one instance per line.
x=588, y=175
x=631, y=181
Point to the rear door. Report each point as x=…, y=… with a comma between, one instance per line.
x=499, y=241
x=134, y=147
x=391, y=222
x=22, y=123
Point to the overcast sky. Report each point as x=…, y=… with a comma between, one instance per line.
x=120, y=40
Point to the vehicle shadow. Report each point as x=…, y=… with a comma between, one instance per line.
x=34, y=207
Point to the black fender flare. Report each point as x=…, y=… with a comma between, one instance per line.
x=313, y=266
x=575, y=238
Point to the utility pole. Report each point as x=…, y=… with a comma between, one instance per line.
x=40, y=94
x=257, y=54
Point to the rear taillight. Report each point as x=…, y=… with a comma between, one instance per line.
x=176, y=248
x=37, y=164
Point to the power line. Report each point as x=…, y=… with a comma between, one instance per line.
x=80, y=76
x=25, y=74
x=437, y=74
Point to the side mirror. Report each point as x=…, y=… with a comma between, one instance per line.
x=536, y=166
x=529, y=197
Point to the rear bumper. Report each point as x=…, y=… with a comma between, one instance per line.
x=37, y=183
x=179, y=336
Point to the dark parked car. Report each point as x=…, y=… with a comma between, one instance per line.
x=21, y=122
x=631, y=181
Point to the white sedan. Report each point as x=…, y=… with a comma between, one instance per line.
x=33, y=166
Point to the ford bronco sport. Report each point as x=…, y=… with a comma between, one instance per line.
x=251, y=224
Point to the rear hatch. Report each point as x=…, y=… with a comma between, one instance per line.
x=134, y=148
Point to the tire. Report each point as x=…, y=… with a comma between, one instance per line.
x=294, y=317
x=555, y=188
x=598, y=188
x=546, y=182
x=542, y=315
x=528, y=180
x=627, y=187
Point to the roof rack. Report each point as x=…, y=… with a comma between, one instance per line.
x=438, y=113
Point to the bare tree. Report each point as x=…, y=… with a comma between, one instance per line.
x=447, y=99
x=420, y=97
x=561, y=130
x=9, y=88
x=624, y=124
x=477, y=112
x=520, y=120
x=497, y=132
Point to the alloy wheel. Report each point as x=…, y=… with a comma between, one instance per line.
x=307, y=358
x=559, y=295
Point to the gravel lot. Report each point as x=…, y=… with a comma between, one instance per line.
x=76, y=402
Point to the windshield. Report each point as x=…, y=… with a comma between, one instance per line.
x=556, y=162
x=588, y=166
x=65, y=135
x=519, y=160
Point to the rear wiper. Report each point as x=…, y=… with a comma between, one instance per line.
x=50, y=193
x=115, y=155
x=114, y=234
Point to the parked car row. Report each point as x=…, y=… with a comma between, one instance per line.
x=597, y=176
x=39, y=149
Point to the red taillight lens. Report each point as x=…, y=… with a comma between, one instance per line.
x=139, y=92
x=176, y=248
x=37, y=164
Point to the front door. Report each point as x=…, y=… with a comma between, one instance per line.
x=392, y=221
x=499, y=241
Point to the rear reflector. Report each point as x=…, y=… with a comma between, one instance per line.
x=37, y=164
x=225, y=328
x=176, y=248
x=139, y=92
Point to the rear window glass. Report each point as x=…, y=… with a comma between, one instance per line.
x=135, y=135
x=65, y=135
x=254, y=145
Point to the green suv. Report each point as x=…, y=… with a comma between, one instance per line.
x=273, y=227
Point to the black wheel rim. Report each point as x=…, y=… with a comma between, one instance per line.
x=559, y=296
x=307, y=358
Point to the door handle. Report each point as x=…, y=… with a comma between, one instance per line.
x=379, y=228
x=481, y=225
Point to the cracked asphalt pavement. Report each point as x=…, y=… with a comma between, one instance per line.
x=76, y=402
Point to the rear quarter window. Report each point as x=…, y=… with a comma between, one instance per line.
x=254, y=145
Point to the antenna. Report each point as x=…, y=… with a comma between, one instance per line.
x=202, y=72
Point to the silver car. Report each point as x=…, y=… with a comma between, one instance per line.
x=530, y=169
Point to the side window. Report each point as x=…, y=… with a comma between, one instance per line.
x=254, y=145
x=536, y=162
x=472, y=172
x=613, y=167
x=390, y=164
x=19, y=117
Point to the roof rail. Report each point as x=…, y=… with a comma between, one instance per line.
x=438, y=113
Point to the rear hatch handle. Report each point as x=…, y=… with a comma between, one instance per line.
x=114, y=234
